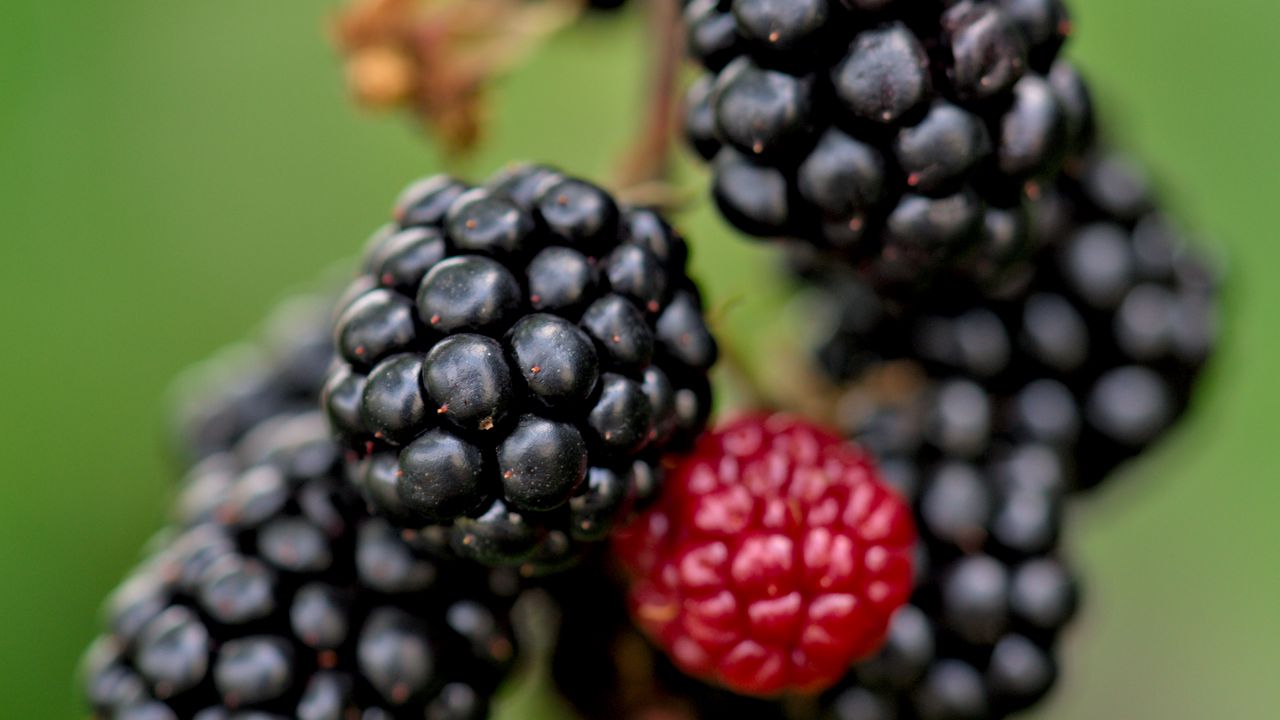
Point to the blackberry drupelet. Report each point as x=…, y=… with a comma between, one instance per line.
x=885, y=133
x=278, y=595
x=514, y=362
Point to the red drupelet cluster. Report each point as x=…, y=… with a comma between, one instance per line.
x=774, y=559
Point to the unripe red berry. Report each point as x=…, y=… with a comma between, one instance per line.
x=774, y=559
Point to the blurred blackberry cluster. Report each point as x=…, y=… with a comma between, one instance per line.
x=275, y=592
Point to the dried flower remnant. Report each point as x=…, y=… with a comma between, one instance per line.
x=438, y=58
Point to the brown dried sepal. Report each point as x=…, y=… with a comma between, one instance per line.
x=438, y=58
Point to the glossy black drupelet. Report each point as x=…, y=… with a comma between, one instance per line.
x=881, y=132
x=514, y=362
x=277, y=595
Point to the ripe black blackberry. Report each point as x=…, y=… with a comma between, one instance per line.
x=892, y=135
x=223, y=398
x=278, y=595
x=1090, y=349
x=515, y=359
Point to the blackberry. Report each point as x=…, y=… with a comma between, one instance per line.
x=514, y=361
x=883, y=133
x=277, y=594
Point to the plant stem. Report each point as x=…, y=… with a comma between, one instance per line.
x=648, y=160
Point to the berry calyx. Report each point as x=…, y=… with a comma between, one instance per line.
x=774, y=559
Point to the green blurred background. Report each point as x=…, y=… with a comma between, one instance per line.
x=170, y=169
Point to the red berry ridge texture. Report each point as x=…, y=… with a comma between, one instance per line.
x=774, y=559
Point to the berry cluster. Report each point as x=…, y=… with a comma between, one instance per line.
x=520, y=372
x=1092, y=353
x=890, y=134
x=278, y=595
x=514, y=360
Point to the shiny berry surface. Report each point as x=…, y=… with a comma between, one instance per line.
x=940, y=149
x=987, y=52
x=762, y=112
x=555, y=358
x=884, y=76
